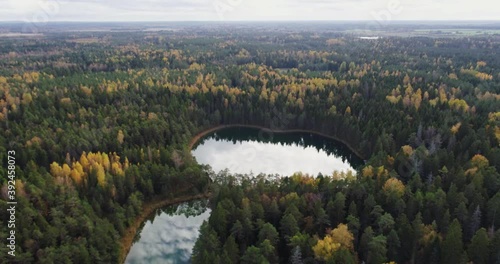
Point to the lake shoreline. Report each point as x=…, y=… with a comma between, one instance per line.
x=147, y=209
x=203, y=133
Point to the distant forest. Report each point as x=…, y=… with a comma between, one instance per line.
x=101, y=123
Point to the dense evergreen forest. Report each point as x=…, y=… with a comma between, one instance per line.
x=100, y=123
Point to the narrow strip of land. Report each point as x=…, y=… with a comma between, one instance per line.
x=147, y=209
x=200, y=135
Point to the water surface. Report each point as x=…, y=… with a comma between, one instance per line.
x=250, y=150
x=169, y=235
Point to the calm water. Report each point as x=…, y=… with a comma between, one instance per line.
x=251, y=150
x=169, y=235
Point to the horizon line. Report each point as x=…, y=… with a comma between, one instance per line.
x=224, y=21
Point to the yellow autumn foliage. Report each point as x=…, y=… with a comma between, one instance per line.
x=66, y=170
x=126, y=164
x=105, y=161
x=99, y=163
x=84, y=161
x=101, y=175
x=31, y=77
x=484, y=76
x=65, y=100
x=454, y=129
x=471, y=171
x=120, y=137
x=479, y=161
x=117, y=169
x=77, y=173
x=480, y=75
x=342, y=236
x=481, y=64
x=152, y=116
x=86, y=90
x=34, y=141
x=367, y=171
x=394, y=186
x=304, y=179
x=339, y=237
x=433, y=102
x=407, y=150
x=27, y=98
x=325, y=248
x=459, y=104
x=196, y=67
x=393, y=99
x=348, y=110
x=55, y=169
x=334, y=41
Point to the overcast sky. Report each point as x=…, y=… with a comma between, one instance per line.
x=196, y=10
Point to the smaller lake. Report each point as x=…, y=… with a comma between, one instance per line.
x=251, y=150
x=170, y=234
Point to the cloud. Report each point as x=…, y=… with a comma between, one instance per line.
x=149, y=5
x=193, y=10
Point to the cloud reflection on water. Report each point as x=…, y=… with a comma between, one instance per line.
x=168, y=239
x=268, y=158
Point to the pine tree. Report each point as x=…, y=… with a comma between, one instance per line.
x=231, y=249
x=377, y=250
x=268, y=232
x=288, y=226
x=269, y=251
x=206, y=246
x=479, y=247
x=366, y=238
x=452, y=248
x=253, y=255
x=393, y=245
x=495, y=248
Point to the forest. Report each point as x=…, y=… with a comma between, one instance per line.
x=101, y=122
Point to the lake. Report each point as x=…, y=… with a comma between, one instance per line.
x=170, y=234
x=251, y=150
